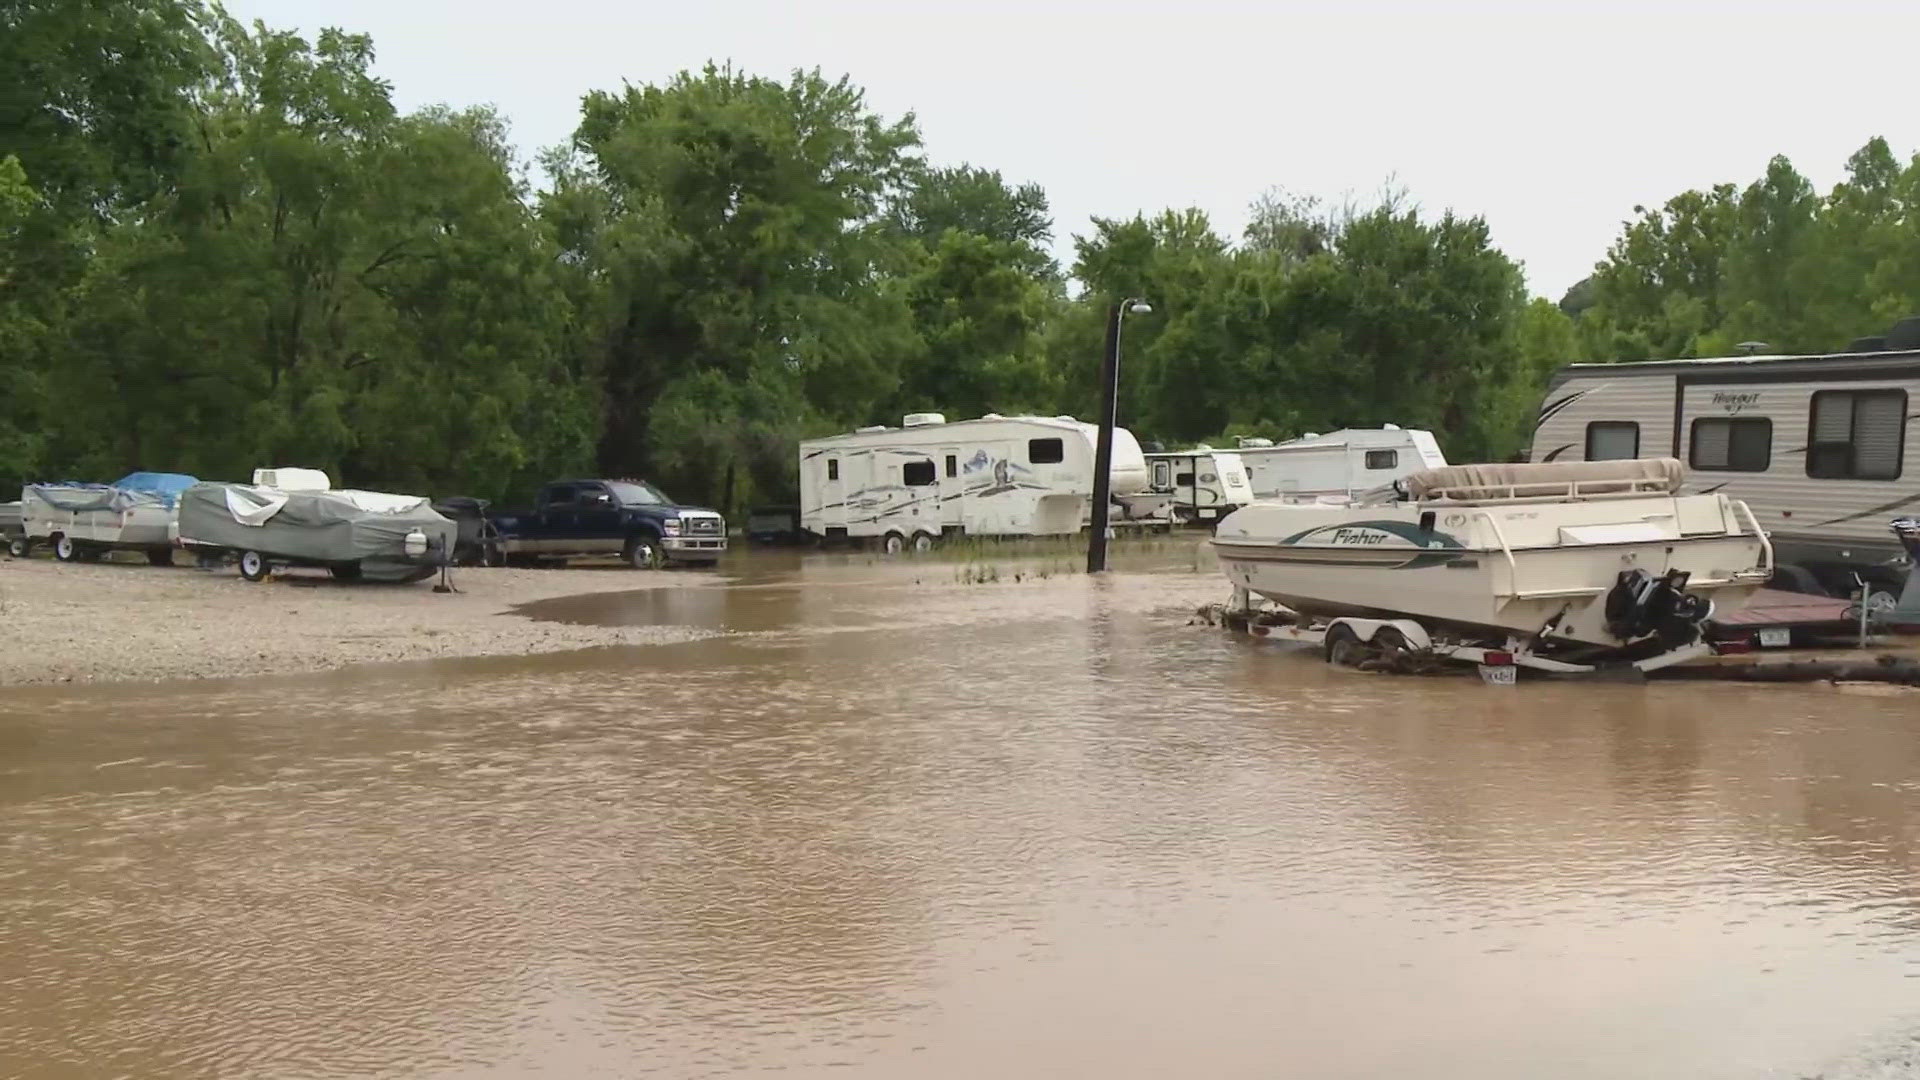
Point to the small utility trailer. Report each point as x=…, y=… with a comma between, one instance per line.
x=1412, y=647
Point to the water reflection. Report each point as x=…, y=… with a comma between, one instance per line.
x=914, y=827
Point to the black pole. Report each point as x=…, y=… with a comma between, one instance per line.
x=1103, y=456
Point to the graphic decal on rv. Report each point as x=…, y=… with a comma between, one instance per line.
x=1881, y=509
x=1554, y=408
x=1557, y=451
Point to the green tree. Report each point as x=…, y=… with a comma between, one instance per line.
x=735, y=225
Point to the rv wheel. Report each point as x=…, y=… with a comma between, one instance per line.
x=893, y=543
x=18, y=547
x=65, y=549
x=922, y=542
x=253, y=566
x=160, y=556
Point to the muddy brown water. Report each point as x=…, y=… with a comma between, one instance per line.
x=894, y=825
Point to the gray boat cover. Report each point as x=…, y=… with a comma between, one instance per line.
x=131, y=490
x=319, y=527
x=1504, y=481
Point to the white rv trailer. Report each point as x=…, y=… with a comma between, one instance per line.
x=1201, y=485
x=995, y=476
x=1816, y=446
x=1338, y=464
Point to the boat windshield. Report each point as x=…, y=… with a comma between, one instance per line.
x=635, y=493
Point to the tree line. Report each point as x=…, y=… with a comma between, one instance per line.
x=223, y=246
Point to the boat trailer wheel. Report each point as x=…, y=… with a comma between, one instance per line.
x=1344, y=647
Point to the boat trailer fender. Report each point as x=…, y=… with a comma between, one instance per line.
x=1415, y=635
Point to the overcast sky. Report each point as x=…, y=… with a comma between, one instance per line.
x=1551, y=121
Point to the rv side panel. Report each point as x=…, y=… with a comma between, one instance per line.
x=1592, y=416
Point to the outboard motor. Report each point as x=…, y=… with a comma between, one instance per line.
x=1640, y=605
x=1906, y=610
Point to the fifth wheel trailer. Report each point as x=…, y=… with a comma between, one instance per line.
x=1816, y=446
x=994, y=476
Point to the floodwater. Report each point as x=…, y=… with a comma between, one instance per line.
x=897, y=825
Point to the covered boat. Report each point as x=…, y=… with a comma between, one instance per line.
x=1582, y=559
x=84, y=521
x=354, y=534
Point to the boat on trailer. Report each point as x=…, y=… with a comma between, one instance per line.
x=1560, y=567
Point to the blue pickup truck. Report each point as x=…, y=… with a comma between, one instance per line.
x=628, y=518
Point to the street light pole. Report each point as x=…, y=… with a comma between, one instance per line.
x=1103, y=455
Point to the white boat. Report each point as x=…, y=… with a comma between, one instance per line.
x=1583, y=561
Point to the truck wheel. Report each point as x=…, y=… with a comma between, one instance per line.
x=893, y=543
x=922, y=541
x=160, y=556
x=643, y=553
x=253, y=566
x=19, y=547
x=65, y=549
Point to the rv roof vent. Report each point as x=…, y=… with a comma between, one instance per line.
x=1310, y=435
x=922, y=419
x=990, y=416
x=1867, y=344
x=1254, y=442
x=870, y=429
x=1201, y=448
x=1905, y=334
x=1389, y=427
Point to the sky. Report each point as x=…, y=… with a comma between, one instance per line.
x=1552, y=121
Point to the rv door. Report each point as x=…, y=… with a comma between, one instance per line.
x=1162, y=476
x=953, y=500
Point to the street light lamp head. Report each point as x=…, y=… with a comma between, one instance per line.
x=1140, y=307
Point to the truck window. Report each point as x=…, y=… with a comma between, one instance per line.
x=1857, y=434
x=559, y=495
x=589, y=494
x=917, y=473
x=1382, y=459
x=1046, y=451
x=1728, y=444
x=1613, y=440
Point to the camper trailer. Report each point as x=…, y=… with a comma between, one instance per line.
x=1339, y=464
x=1816, y=446
x=996, y=476
x=1202, y=485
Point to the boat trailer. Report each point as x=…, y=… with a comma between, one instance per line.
x=1408, y=646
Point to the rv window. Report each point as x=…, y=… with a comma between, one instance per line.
x=1612, y=440
x=917, y=473
x=1857, y=434
x=833, y=468
x=1184, y=479
x=1046, y=451
x=953, y=465
x=1731, y=445
x=1382, y=459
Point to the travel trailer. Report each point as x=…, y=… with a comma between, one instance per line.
x=1202, y=485
x=1339, y=464
x=996, y=476
x=1815, y=445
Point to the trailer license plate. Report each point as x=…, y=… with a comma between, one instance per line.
x=1499, y=674
x=1778, y=637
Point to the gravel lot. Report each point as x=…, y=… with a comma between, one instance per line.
x=117, y=621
